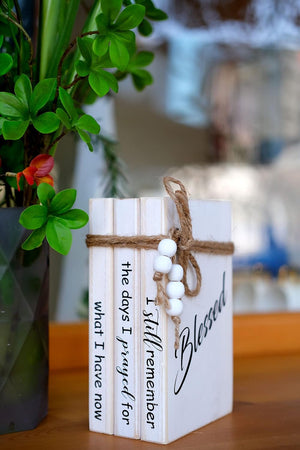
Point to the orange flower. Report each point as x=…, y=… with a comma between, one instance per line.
x=38, y=171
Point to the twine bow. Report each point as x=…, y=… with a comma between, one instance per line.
x=184, y=236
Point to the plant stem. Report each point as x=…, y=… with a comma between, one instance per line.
x=18, y=11
x=55, y=141
x=20, y=27
x=19, y=19
x=14, y=38
x=75, y=81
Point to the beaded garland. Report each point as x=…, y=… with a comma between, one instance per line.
x=167, y=249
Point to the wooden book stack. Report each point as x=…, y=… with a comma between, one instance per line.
x=141, y=387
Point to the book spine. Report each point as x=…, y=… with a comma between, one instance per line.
x=127, y=322
x=101, y=320
x=153, y=326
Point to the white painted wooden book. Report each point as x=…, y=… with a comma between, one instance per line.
x=127, y=322
x=185, y=389
x=101, y=367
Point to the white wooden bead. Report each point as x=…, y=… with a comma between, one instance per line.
x=162, y=264
x=167, y=247
x=175, y=289
x=176, y=273
x=176, y=307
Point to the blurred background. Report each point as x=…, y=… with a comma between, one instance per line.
x=223, y=115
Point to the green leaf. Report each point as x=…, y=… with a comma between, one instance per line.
x=85, y=49
x=10, y=106
x=100, y=45
x=45, y=193
x=58, y=235
x=75, y=218
x=46, y=123
x=6, y=63
x=86, y=138
x=56, y=22
x=157, y=14
x=14, y=129
x=111, y=8
x=64, y=118
x=102, y=81
x=34, y=217
x=127, y=38
x=145, y=28
x=35, y=239
x=88, y=123
x=141, y=78
x=143, y=59
x=2, y=120
x=67, y=103
x=42, y=93
x=130, y=17
x=151, y=11
x=102, y=22
x=63, y=201
x=23, y=89
x=82, y=68
x=119, y=54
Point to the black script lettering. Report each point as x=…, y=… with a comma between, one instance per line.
x=151, y=338
x=200, y=334
x=123, y=371
x=98, y=371
x=189, y=346
x=150, y=385
x=150, y=418
x=126, y=330
x=222, y=298
x=98, y=308
x=126, y=272
x=205, y=325
x=98, y=406
x=125, y=412
x=216, y=309
x=98, y=318
x=186, y=355
x=210, y=318
x=101, y=344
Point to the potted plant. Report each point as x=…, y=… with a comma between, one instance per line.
x=45, y=78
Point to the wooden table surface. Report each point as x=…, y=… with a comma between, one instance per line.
x=266, y=413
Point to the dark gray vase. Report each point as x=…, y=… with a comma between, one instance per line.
x=24, y=287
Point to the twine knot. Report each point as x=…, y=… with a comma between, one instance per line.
x=184, y=240
x=184, y=236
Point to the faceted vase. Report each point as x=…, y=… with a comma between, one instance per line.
x=24, y=287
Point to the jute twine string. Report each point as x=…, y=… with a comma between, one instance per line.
x=186, y=244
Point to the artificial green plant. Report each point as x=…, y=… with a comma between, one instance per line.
x=44, y=81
